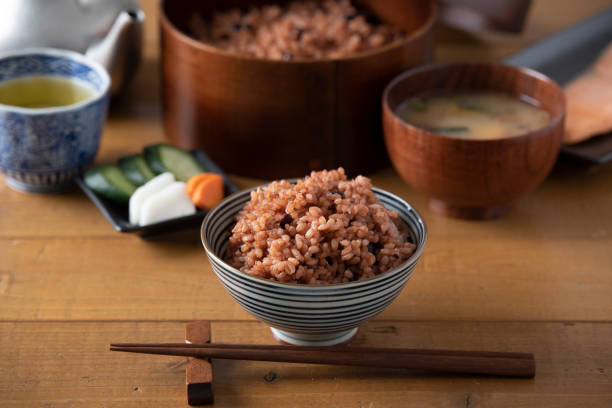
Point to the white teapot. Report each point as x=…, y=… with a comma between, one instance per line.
x=108, y=31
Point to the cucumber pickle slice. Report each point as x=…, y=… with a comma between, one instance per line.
x=164, y=157
x=136, y=169
x=109, y=181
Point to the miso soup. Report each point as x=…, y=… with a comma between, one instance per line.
x=44, y=91
x=474, y=115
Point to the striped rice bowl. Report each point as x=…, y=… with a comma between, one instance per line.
x=302, y=314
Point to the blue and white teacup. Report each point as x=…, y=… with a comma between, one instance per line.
x=43, y=149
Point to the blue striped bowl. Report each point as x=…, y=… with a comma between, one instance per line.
x=304, y=314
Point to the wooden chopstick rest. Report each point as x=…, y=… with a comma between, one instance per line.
x=198, y=374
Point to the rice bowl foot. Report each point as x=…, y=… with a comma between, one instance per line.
x=314, y=340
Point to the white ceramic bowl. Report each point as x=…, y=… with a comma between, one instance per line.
x=304, y=314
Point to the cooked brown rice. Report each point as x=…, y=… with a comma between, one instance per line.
x=302, y=29
x=323, y=229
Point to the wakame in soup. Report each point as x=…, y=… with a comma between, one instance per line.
x=474, y=115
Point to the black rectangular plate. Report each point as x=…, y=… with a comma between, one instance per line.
x=565, y=55
x=118, y=215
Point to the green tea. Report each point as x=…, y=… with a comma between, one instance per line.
x=44, y=91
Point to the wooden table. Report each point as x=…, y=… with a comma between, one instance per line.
x=538, y=280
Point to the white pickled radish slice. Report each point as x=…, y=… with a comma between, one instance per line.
x=171, y=202
x=155, y=185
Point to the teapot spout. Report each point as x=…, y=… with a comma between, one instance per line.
x=119, y=50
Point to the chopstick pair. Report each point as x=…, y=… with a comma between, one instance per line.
x=450, y=361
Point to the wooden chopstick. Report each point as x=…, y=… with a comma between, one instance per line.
x=450, y=361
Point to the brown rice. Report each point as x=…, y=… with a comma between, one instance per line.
x=323, y=229
x=300, y=30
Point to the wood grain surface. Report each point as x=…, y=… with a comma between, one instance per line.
x=75, y=368
x=538, y=280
